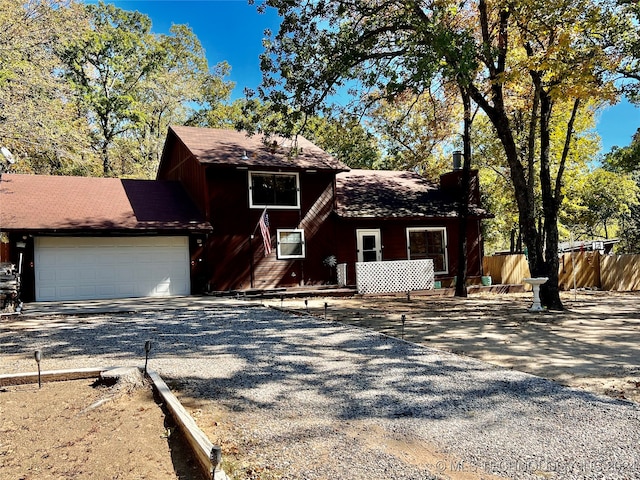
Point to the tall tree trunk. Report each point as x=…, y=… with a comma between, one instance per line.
x=523, y=179
x=106, y=162
x=552, y=200
x=549, y=292
x=463, y=212
x=525, y=198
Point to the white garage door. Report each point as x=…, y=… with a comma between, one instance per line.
x=75, y=268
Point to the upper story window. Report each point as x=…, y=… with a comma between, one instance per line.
x=274, y=189
x=430, y=243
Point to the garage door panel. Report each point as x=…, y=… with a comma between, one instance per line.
x=44, y=260
x=163, y=288
x=66, y=291
x=112, y=267
x=46, y=276
x=90, y=275
x=86, y=291
x=108, y=273
x=123, y=275
x=47, y=292
x=125, y=290
x=105, y=291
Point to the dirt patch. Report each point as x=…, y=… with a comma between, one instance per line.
x=74, y=430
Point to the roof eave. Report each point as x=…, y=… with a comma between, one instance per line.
x=113, y=230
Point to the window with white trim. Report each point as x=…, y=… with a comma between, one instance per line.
x=274, y=189
x=290, y=243
x=429, y=242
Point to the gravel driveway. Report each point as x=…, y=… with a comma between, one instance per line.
x=325, y=400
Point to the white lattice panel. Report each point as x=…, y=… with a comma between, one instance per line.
x=342, y=274
x=394, y=276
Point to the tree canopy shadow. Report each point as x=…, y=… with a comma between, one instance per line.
x=287, y=366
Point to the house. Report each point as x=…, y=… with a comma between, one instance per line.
x=318, y=210
x=604, y=246
x=212, y=190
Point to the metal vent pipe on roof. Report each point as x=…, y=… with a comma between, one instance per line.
x=457, y=160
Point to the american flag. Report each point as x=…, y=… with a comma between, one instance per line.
x=264, y=229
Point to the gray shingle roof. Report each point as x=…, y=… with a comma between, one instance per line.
x=393, y=194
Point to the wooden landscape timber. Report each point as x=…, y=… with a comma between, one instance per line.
x=49, y=376
x=208, y=455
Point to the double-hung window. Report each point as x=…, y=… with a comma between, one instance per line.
x=429, y=242
x=274, y=189
x=290, y=243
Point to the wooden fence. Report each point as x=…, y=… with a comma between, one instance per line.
x=620, y=272
x=506, y=269
x=586, y=266
x=592, y=270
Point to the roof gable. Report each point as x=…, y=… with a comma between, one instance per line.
x=220, y=147
x=41, y=202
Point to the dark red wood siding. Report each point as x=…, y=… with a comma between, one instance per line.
x=393, y=235
x=237, y=261
x=179, y=164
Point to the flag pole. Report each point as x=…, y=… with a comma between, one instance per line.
x=251, y=259
x=255, y=229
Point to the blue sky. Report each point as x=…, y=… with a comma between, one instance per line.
x=232, y=31
x=229, y=30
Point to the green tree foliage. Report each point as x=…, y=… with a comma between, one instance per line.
x=628, y=38
x=414, y=130
x=626, y=162
x=219, y=115
x=89, y=90
x=625, y=159
x=502, y=232
x=599, y=203
x=343, y=137
x=31, y=88
x=629, y=231
x=106, y=66
x=347, y=140
x=522, y=62
x=130, y=84
x=170, y=94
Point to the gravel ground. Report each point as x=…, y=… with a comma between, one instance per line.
x=326, y=400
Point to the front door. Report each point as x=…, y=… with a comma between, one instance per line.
x=368, y=245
